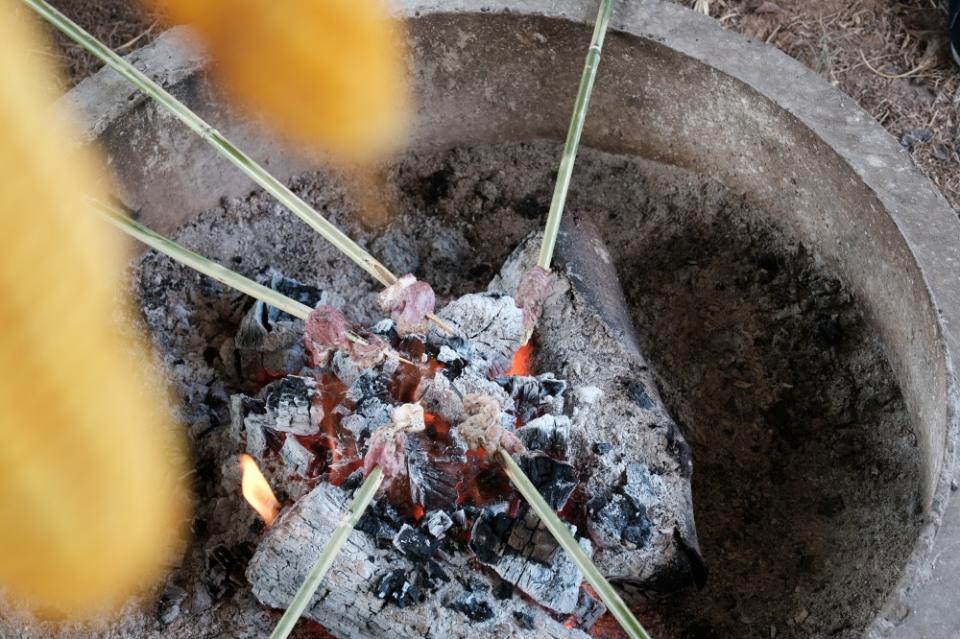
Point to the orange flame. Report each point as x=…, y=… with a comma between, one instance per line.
x=257, y=491
x=523, y=360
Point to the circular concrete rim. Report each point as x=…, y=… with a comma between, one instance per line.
x=922, y=603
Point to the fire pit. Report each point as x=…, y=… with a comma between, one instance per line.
x=799, y=355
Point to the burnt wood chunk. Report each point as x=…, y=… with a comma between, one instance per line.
x=372, y=592
x=631, y=458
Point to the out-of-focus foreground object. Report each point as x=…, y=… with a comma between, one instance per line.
x=91, y=494
x=331, y=75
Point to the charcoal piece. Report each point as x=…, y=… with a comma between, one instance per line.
x=289, y=287
x=394, y=587
x=549, y=434
x=531, y=539
x=556, y=480
x=503, y=590
x=269, y=342
x=618, y=518
x=493, y=325
x=601, y=448
x=246, y=425
x=371, y=385
x=344, y=368
x=433, y=470
x=474, y=606
x=289, y=405
x=638, y=393
x=453, y=362
x=437, y=523
x=414, y=544
x=554, y=585
x=525, y=620
x=295, y=456
x=354, y=481
x=589, y=609
x=489, y=535
x=434, y=574
x=533, y=392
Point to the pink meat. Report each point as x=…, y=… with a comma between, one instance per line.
x=534, y=288
x=326, y=331
x=408, y=301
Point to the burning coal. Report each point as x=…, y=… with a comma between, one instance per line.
x=449, y=544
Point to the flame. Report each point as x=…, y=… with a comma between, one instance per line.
x=523, y=360
x=257, y=491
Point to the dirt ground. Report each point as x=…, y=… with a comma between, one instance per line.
x=889, y=55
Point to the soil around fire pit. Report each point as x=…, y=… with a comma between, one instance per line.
x=805, y=466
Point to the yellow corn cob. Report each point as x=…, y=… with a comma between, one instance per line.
x=91, y=500
x=329, y=73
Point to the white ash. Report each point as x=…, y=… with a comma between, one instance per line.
x=490, y=324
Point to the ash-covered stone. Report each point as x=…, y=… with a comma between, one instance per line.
x=414, y=544
x=549, y=434
x=396, y=588
x=589, y=609
x=474, y=606
x=437, y=523
x=289, y=403
x=295, y=456
x=555, y=479
x=492, y=324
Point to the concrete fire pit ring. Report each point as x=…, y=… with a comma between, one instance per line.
x=676, y=89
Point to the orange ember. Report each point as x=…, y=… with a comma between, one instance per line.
x=523, y=360
x=257, y=491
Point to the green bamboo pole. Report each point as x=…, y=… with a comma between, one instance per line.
x=559, y=530
x=240, y=159
x=573, y=135
x=361, y=500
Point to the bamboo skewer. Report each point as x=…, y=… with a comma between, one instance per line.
x=213, y=270
x=559, y=530
x=573, y=135
x=361, y=500
x=223, y=146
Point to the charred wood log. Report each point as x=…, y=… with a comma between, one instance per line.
x=630, y=455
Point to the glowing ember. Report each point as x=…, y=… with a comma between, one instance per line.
x=257, y=491
x=523, y=360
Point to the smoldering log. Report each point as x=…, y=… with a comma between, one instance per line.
x=629, y=453
x=373, y=592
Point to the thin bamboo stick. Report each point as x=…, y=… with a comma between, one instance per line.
x=361, y=500
x=559, y=530
x=223, y=146
x=573, y=135
x=240, y=159
x=213, y=270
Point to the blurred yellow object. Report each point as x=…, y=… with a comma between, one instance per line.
x=327, y=73
x=91, y=495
